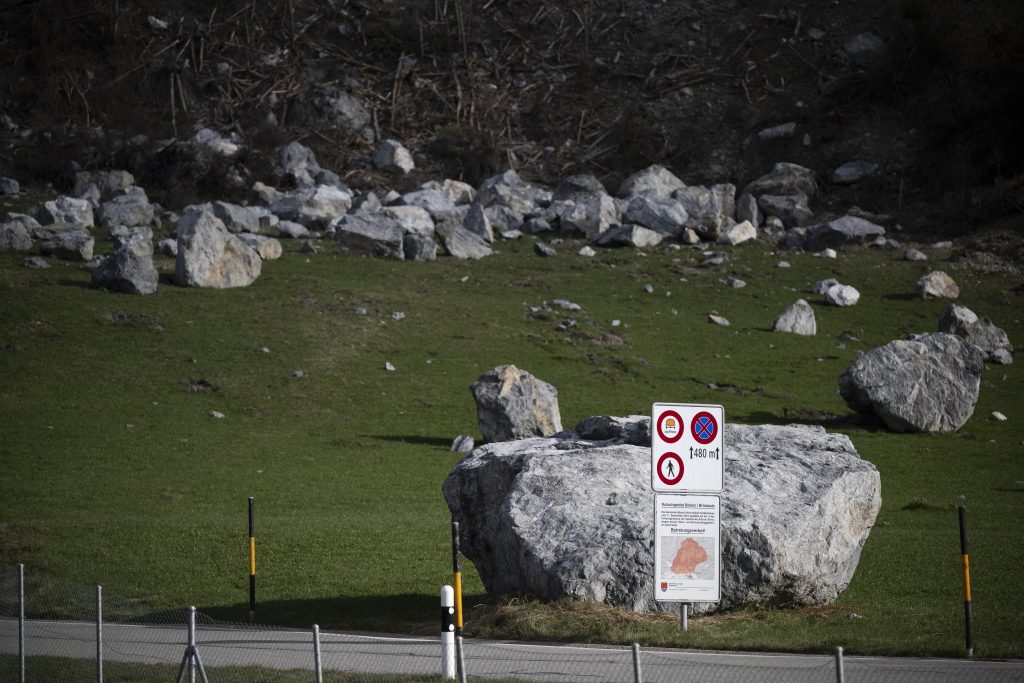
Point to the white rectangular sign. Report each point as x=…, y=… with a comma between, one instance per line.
x=687, y=448
x=687, y=548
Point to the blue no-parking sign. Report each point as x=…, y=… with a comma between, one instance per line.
x=687, y=451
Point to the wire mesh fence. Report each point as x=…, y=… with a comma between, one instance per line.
x=62, y=642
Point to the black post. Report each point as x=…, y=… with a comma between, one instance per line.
x=965, y=559
x=252, y=563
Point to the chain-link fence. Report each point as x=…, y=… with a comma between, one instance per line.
x=62, y=639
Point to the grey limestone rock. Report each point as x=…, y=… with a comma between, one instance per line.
x=842, y=295
x=130, y=268
x=635, y=236
x=314, y=207
x=419, y=247
x=842, y=231
x=463, y=443
x=748, y=210
x=131, y=209
x=296, y=165
x=664, y=215
x=542, y=249
x=914, y=255
x=70, y=245
x=108, y=184
x=738, y=234
x=374, y=235
x=393, y=157
x=513, y=404
x=9, y=186
x=937, y=285
x=708, y=210
x=592, y=215
x=570, y=515
x=784, y=179
x=434, y=200
x=210, y=256
x=65, y=212
x=268, y=248
x=981, y=332
x=256, y=220
x=15, y=232
x=463, y=244
x=926, y=384
x=577, y=187
x=792, y=209
x=853, y=172
x=655, y=179
x=413, y=220
x=477, y=222
x=797, y=319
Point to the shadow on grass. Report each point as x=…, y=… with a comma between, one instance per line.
x=416, y=440
x=81, y=284
x=814, y=417
x=409, y=613
x=902, y=296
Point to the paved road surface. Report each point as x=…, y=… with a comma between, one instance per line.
x=289, y=649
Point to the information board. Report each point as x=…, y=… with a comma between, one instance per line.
x=687, y=548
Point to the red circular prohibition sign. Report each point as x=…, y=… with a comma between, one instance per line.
x=674, y=480
x=704, y=427
x=679, y=429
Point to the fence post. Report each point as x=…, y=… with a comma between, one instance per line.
x=99, y=634
x=684, y=613
x=965, y=560
x=637, y=675
x=840, y=675
x=191, y=648
x=21, y=623
x=448, y=668
x=316, y=654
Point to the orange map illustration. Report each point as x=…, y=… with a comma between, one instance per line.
x=689, y=555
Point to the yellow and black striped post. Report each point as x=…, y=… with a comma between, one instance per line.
x=965, y=561
x=252, y=563
x=457, y=569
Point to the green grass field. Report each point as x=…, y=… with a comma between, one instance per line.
x=115, y=473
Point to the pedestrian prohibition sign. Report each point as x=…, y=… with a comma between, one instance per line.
x=687, y=447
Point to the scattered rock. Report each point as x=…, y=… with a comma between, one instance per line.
x=463, y=244
x=853, y=172
x=393, y=157
x=296, y=165
x=570, y=516
x=587, y=251
x=842, y=231
x=108, y=184
x=937, y=285
x=714, y=317
x=830, y=254
x=130, y=268
x=634, y=236
x=592, y=216
x=783, y=264
x=542, y=249
x=130, y=210
x=738, y=234
x=9, y=186
x=783, y=130
x=374, y=235
x=70, y=245
x=784, y=179
x=210, y=256
x=462, y=444
x=313, y=207
x=822, y=286
x=708, y=210
x=863, y=50
x=477, y=222
x=14, y=232
x=655, y=180
x=734, y=282
x=268, y=248
x=577, y=187
x=419, y=248
x=513, y=404
x=168, y=247
x=914, y=255
x=798, y=319
x=748, y=210
x=36, y=262
x=216, y=414
x=256, y=220
x=389, y=366
x=981, y=332
x=998, y=416
x=926, y=384
x=664, y=215
x=65, y=212
x=842, y=295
